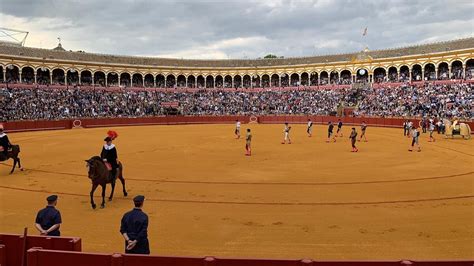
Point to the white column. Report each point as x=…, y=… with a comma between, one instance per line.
x=65, y=78
x=79, y=75
x=143, y=81
x=19, y=75
x=35, y=77
x=106, y=81
x=51, y=77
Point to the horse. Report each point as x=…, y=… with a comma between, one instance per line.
x=461, y=129
x=100, y=175
x=13, y=154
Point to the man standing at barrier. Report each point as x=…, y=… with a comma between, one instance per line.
x=248, y=143
x=237, y=129
x=309, y=129
x=286, y=132
x=134, y=229
x=48, y=220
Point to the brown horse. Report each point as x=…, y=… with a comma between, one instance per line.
x=13, y=154
x=100, y=175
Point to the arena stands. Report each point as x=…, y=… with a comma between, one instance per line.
x=403, y=100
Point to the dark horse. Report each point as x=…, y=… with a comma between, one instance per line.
x=13, y=154
x=100, y=175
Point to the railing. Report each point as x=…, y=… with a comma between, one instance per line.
x=18, y=126
x=39, y=257
x=12, y=249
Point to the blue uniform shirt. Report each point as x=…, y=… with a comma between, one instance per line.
x=135, y=224
x=48, y=217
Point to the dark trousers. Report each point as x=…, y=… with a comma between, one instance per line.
x=142, y=247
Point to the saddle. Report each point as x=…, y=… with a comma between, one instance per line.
x=108, y=165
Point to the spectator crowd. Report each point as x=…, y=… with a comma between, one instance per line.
x=406, y=100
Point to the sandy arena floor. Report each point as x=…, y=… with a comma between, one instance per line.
x=310, y=199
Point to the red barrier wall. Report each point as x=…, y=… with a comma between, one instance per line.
x=40, y=257
x=18, y=126
x=14, y=244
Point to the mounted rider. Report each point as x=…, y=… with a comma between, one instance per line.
x=5, y=144
x=109, y=153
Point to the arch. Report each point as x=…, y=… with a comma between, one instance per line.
x=99, y=78
x=346, y=76
x=416, y=72
x=160, y=81
x=113, y=79
x=72, y=77
x=275, y=81
x=227, y=81
x=313, y=79
x=27, y=75
x=362, y=75
x=334, y=77
x=181, y=81
x=265, y=81
x=443, y=71
x=429, y=71
x=12, y=73
x=256, y=81
x=86, y=77
x=294, y=79
x=404, y=73
x=42, y=76
x=237, y=81
x=380, y=75
x=469, y=73
x=125, y=79
x=219, y=82
x=191, y=81
x=149, y=81
x=284, y=80
x=170, y=81
x=200, y=82
x=137, y=80
x=457, y=69
x=323, y=77
x=246, y=81
x=304, y=79
x=210, y=81
x=392, y=74
x=58, y=76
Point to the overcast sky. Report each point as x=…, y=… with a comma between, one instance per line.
x=236, y=29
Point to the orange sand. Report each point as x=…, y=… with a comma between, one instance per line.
x=310, y=199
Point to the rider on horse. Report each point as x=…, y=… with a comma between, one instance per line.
x=109, y=152
x=4, y=144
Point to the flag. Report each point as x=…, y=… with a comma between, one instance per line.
x=365, y=32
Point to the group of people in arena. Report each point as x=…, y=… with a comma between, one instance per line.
x=52, y=104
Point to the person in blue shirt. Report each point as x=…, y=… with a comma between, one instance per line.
x=134, y=229
x=48, y=220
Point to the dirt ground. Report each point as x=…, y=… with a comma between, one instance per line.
x=310, y=199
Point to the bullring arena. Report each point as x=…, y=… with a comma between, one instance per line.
x=310, y=198
x=175, y=119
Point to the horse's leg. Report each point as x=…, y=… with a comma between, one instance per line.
x=113, y=189
x=15, y=161
x=102, y=205
x=94, y=186
x=19, y=164
x=123, y=183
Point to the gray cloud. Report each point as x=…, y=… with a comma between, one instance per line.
x=236, y=29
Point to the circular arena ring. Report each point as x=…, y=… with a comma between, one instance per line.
x=203, y=196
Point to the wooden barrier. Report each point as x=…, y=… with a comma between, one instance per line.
x=13, y=245
x=18, y=126
x=42, y=257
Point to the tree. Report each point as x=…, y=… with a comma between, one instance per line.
x=270, y=56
